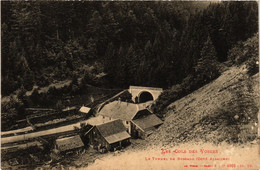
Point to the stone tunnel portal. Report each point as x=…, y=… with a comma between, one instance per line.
x=144, y=97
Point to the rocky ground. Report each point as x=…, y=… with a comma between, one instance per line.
x=224, y=110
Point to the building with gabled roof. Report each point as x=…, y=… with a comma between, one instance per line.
x=144, y=126
x=108, y=136
x=67, y=144
x=119, y=110
x=133, y=116
x=123, y=111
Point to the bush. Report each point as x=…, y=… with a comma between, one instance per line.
x=8, y=86
x=188, y=85
x=126, y=97
x=43, y=81
x=53, y=91
x=28, y=81
x=244, y=51
x=59, y=105
x=46, y=100
x=252, y=66
x=75, y=89
x=168, y=96
x=235, y=51
x=35, y=96
x=11, y=111
x=21, y=93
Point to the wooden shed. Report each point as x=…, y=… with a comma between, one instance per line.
x=68, y=144
x=84, y=110
x=108, y=136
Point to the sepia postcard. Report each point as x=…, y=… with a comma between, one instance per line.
x=138, y=85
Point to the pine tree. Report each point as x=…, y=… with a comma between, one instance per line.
x=91, y=48
x=206, y=68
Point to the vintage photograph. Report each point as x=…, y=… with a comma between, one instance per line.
x=133, y=85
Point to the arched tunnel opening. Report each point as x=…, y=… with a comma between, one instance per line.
x=145, y=96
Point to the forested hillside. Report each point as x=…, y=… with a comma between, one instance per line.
x=58, y=56
x=117, y=44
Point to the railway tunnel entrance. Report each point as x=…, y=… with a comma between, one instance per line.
x=144, y=97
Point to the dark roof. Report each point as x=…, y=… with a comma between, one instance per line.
x=69, y=143
x=148, y=122
x=113, y=131
x=110, y=128
x=117, y=137
x=121, y=110
x=142, y=113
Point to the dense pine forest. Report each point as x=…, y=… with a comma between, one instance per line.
x=117, y=44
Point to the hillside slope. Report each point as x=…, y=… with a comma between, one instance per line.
x=223, y=110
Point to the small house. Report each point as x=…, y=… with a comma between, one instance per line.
x=68, y=144
x=144, y=126
x=108, y=136
x=85, y=110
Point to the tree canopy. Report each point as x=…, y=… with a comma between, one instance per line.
x=132, y=43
